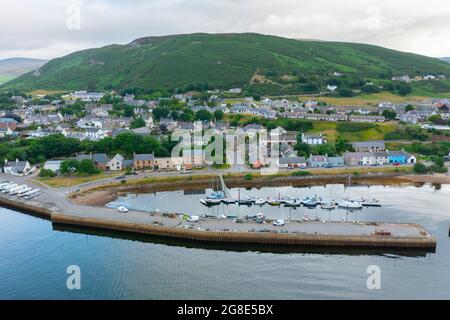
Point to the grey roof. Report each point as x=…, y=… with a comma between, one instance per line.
x=368, y=144
x=7, y=120
x=144, y=157
x=100, y=157
x=292, y=160
x=18, y=166
x=399, y=153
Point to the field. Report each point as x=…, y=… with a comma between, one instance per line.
x=373, y=99
x=63, y=181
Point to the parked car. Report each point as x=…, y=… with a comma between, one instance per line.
x=120, y=177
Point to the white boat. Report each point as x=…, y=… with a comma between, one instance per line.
x=305, y=219
x=310, y=202
x=279, y=223
x=328, y=205
x=349, y=204
x=19, y=189
x=10, y=187
x=122, y=209
x=229, y=201
x=260, y=202
x=193, y=219
x=273, y=202
x=30, y=192
x=210, y=202
x=286, y=199
x=293, y=203
x=372, y=203
x=24, y=191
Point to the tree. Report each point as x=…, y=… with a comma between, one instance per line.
x=160, y=112
x=303, y=149
x=409, y=107
x=345, y=92
x=326, y=149
x=69, y=166
x=128, y=111
x=402, y=88
x=138, y=123
x=435, y=118
x=87, y=166
x=218, y=115
x=370, y=88
x=389, y=114
x=203, y=115
x=342, y=146
x=420, y=168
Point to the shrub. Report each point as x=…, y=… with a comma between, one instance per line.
x=248, y=177
x=420, y=168
x=47, y=173
x=301, y=173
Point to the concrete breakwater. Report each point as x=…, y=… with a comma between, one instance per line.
x=345, y=235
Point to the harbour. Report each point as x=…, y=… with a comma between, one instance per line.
x=248, y=229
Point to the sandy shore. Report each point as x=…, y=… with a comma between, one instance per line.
x=429, y=178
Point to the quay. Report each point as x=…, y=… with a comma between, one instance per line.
x=55, y=206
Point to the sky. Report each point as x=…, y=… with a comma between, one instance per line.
x=52, y=28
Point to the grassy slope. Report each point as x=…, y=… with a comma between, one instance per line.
x=224, y=60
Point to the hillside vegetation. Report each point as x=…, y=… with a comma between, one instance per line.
x=262, y=63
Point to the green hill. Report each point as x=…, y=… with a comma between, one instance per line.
x=221, y=60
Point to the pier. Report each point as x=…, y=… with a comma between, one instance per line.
x=55, y=206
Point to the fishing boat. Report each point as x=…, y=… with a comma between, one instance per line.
x=350, y=204
x=210, y=202
x=286, y=199
x=122, y=209
x=294, y=203
x=273, y=202
x=231, y=216
x=229, y=201
x=305, y=218
x=260, y=202
x=328, y=205
x=260, y=217
x=371, y=203
x=216, y=195
x=246, y=201
x=310, y=202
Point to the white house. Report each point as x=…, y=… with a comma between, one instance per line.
x=331, y=88
x=53, y=165
x=116, y=163
x=313, y=139
x=17, y=168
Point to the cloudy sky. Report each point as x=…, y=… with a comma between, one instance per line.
x=52, y=28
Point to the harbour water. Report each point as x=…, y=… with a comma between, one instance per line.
x=34, y=254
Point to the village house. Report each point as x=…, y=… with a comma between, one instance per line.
x=317, y=161
x=86, y=96
x=169, y=163
x=193, y=158
x=53, y=165
x=8, y=123
x=335, y=162
x=143, y=161
x=100, y=159
x=410, y=117
x=313, y=139
x=116, y=163
x=401, y=157
x=292, y=162
x=17, y=168
x=363, y=118
x=369, y=146
x=365, y=158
